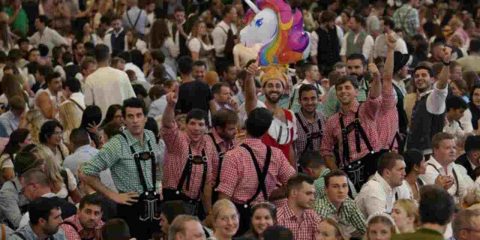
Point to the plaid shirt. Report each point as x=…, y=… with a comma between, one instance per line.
x=387, y=121
x=224, y=147
x=117, y=156
x=406, y=18
x=239, y=179
x=368, y=113
x=347, y=215
x=303, y=228
x=177, y=143
x=72, y=234
x=301, y=141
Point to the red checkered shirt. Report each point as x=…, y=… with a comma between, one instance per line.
x=176, y=155
x=387, y=120
x=368, y=120
x=303, y=228
x=239, y=179
x=224, y=147
x=312, y=127
x=72, y=234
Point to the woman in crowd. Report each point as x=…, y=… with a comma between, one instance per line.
x=114, y=114
x=200, y=44
x=87, y=35
x=225, y=220
x=460, y=89
x=62, y=181
x=263, y=215
x=132, y=42
x=70, y=118
x=160, y=38
x=405, y=214
x=380, y=227
x=51, y=134
x=474, y=106
x=92, y=116
x=18, y=139
x=329, y=229
x=415, y=166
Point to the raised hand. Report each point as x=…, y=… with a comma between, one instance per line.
x=252, y=70
x=372, y=68
x=172, y=97
x=446, y=54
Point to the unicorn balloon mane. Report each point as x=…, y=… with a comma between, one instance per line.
x=272, y=24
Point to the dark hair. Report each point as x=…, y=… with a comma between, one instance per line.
x=102, y=53
x=197, y=114
x=172, y=209
x=357, y=56
x=16, y=137
x=115, y=229
x=344, y=79
x=297, y=180
x=387, y=21
x=327, y=16
x=92, y=114
x=200, y=63
x=110, y=115
x=91, y=199
x=226, y=9
x=152, y=125
x=185, y=65
x=43, y=19
x=125, y=55
x=270, y=207
x=306, y=88
x=436, y=205
x=412, y=158
x=424, y=67
x=217, y=87
x=79, y=137
x=158, y=55
x=387, y=161
x=311, y=159
x=474, y=45
x=456, y=102
x=43, y=49
x=258, y=122
x=67, y=57
x=111, y=129
x=359, y=19
x=133, y=103
x=334, y=173
x=51, y=76
x=73, y=85
x=48, y=129
x=41, y=208
x=139, y=90
x=223, y=117
x=277, y=232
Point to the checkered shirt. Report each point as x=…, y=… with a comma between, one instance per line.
x=239, y=179
x=116, y=155
x=333, y=132
x=72, y=234
x=224, y=147
x=176, y=155
x=387, y=121
x=303, y=228
x=313, y=127
x=347, y=215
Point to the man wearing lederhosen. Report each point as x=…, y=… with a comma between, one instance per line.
x=354, y=129
x=130, y=156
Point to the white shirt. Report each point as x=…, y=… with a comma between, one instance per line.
x=138, y=72
x=377, y=196
x=219, y=36
x=26, y=217
x=107, y=86
x=436, y=100
x=79, y=98
x=380, y=46
x=434, y=169
x=366, y=48
x=49, y=37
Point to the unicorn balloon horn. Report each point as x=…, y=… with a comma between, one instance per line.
x=252, y=6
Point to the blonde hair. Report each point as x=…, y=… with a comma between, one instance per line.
x=69, y=117
x=195, y=32
x=220, y=206
x=471, y=198
x=411, y=209
x=383, y=219
x=52, y=169
x=35, y=120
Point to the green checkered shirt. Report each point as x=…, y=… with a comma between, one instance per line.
x=117, y=156
x=347, y=215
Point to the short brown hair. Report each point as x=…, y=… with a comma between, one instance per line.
x=178, y=225
x=344, y=79
x=439, y=137
x=387, y=161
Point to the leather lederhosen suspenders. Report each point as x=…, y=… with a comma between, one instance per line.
x=187, y=172
x=359, y=132
x=310, y=136
x=261, y=174
x=220, y=159
x=457, y=184
x=139, y=167
x=397, y=138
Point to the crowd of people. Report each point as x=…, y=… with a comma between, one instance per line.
x=151, y=119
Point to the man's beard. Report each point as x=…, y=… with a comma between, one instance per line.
x=274, y=101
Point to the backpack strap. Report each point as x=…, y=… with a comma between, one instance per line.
x=20, y=235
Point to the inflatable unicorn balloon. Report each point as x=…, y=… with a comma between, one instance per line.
x=272, y=24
